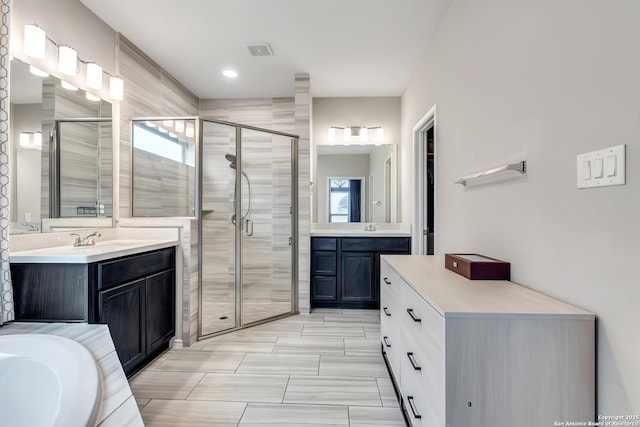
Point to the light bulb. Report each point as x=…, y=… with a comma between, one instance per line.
x=230, y=73
x=67, y=59
x=24, y=139
x=168, y=123
x=364, y=134
x=94, y=76
x=332, y=134
x=179, y=125
x=347, y=134
x=380, y=134
x=116, y=88
x=34, y=41
x=37, y=139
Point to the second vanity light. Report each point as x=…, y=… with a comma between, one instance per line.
x=356, y=131
x=35, y=46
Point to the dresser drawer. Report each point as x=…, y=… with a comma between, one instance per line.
x=421, y=408
x=421, y=321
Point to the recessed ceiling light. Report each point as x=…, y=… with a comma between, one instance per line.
x=230, y=73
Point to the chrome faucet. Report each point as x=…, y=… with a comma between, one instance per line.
x=86, y=241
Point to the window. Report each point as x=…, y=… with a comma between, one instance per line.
x=338, y=200
x=163, y=145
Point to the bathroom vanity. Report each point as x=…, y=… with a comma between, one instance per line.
x=345, y=266
x=128, y=285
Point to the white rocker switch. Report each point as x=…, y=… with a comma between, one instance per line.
x=586, y=170
x=610, y=166
x=597, y=166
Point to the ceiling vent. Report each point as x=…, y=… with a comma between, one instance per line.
x=260, y=49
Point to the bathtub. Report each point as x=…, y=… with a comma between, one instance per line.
x=47, y=380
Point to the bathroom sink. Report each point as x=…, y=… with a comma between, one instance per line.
x=103, y=249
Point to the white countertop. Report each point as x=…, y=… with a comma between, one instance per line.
x=103, y=249
x=360, y=233
x=453, y=295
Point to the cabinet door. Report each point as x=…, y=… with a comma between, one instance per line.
x=324, y=288
x=122, y=308
x=358, y=277
x=160, y=310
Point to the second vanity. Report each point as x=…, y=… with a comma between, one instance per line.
x=127, y=284
x=345, y=262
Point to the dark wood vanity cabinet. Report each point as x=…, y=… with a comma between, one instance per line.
x=345, y=271
x=134, y=295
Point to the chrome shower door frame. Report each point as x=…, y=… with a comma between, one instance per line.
x=238, y=225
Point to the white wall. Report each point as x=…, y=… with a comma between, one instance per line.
x=541, y=81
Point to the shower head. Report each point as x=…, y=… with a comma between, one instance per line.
x=231, y=159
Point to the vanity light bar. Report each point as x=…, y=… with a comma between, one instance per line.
x=355, y=131
x=35, y=46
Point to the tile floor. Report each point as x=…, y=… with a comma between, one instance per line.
x=321, y=369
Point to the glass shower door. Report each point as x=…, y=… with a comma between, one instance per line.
x=246, y=226
x=218, y=244
x=266, y=228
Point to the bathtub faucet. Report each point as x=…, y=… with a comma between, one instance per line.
x=86, y=241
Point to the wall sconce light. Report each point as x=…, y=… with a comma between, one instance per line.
x=35, y=46
x=34, y=41
x=31, y=140
x=349, y=132
x=67, y=60
x=116, y=88
x=94, y=76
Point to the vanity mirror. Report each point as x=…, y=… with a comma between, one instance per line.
x=355, y=183
x=61, y=152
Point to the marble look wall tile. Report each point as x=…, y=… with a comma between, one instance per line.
x=191, y=413
x=258, y=414
x=321, y=390
x=241, y=388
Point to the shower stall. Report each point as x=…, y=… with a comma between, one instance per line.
x=244, y=195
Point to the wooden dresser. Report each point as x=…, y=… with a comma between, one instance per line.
x=468, y=353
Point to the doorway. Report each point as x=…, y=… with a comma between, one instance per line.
x=424, y=230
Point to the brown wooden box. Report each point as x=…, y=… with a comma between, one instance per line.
x=478, y=267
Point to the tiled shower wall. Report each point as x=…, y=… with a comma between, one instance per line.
x=151, y=92
x=291, y=115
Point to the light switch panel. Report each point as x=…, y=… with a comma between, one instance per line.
x=602, y=168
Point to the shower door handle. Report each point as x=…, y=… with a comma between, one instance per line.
x=249, y=225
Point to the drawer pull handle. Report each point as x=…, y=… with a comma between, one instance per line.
x=386, y=311
x=416, y=415
x=387, y=281
x=413, y=316
x=386, y=341
x=413, y=362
